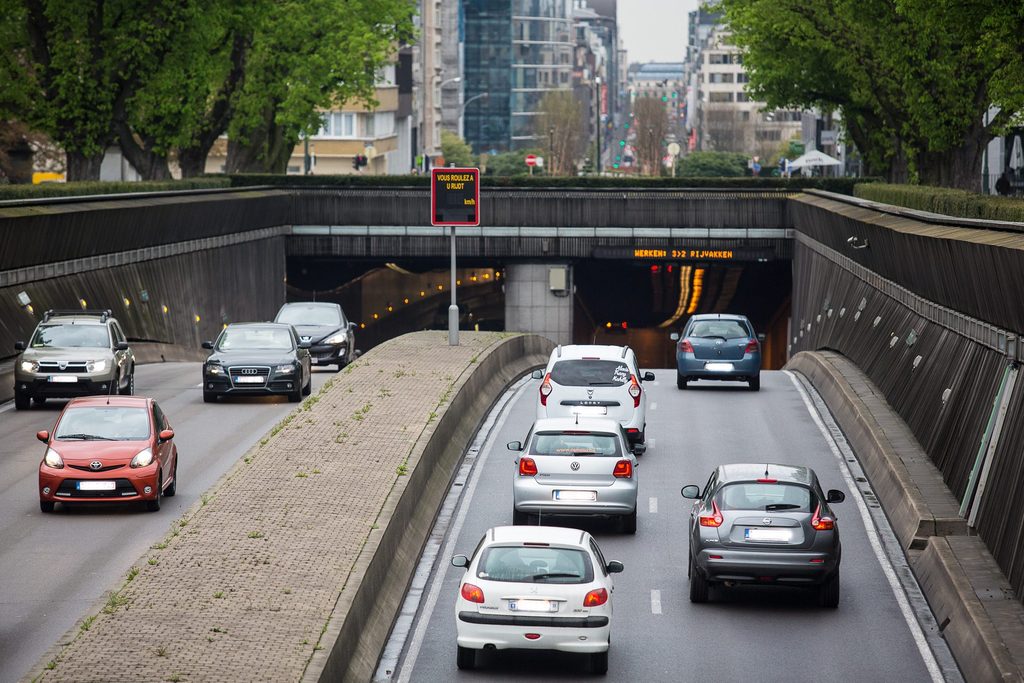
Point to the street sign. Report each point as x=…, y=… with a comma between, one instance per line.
x=531, y=159
x=455, y=196
x=673, y=149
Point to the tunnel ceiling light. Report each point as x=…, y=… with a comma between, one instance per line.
x=30, y=309
x=698, y=286
x=127, y=302
x=197, y=317
x=422, y=293
x=362, y=326
x=83, y=303
x=390, y=308
x=165, y=309
x=405, y=300
x=375, y=316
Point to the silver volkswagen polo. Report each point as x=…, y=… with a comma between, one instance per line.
x=575, y=467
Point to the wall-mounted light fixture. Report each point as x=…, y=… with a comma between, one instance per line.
x=24, y=299
x=857, y=242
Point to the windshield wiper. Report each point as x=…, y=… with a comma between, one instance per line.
x=85, y=437
x=781, y=506
x=556, y=575
x=603, y=384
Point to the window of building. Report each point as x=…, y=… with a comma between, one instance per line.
x=720, y=96
x=720, y=78
x=742, y=97
x=742, y=78
x=721, y=58
x=384, y=122
x=744, y=116
x=769, y=135
x=369, y=127
x=337, y=124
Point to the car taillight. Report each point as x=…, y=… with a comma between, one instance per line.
x=623, y=469
x=822, y=523
x=715, y=519
x=685, y=346
x=635, y=391
x=472, y=593
x=527, y=467
x=545, y=389
x=752, y=346
x=596, y=598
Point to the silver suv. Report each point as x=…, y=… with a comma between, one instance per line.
x=73, y=353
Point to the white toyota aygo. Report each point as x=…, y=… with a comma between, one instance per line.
x=535, y=588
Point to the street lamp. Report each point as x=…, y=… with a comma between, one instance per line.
x=462, y=112
x=551, y=149
x=597, y=120
x=430, y=123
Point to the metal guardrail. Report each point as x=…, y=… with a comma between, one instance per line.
x=81, y=199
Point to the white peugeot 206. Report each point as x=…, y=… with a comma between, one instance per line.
x=535, y=588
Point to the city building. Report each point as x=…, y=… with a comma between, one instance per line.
x=663, y=81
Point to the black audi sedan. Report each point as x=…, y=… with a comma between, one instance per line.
x=764, y=524
x=257, y=359
x=324, y=326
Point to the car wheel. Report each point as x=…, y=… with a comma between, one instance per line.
x=154, y=505
x=129, y=386
x=209, y=397
x=22, y=401
x=828, y=592
x=173, y=488
x=466, y=658
x=339, y=367
x=46, y=505
x=39, y=400
x=680, y=381
x=754, y=383
x=629, y=523
x=598, y=663
x=519, y=518
x=309, y=386
x=296, y=395
x=698, y=585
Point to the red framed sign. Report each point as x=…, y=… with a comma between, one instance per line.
x=455, y=196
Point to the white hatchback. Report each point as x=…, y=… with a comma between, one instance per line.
x=595, y=381
x=535, y=588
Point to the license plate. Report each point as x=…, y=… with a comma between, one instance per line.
x=576, y=495
x=719, y=367
x=768, y=535
x=532, y=606
x=62, y=379
x=96, y=486
x=590, y=411
x=248, y=379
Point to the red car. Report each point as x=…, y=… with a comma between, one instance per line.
x=108, y=448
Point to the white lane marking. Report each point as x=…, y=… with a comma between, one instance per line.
x=655, y=602
x=656, y=383
x=654, y=406
x=653, y=506
x=199, y=386
x=7, y=406
x=427, y=611
x=650, y=444
x=890, y=574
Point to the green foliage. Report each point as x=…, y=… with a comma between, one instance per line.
x=945, y=201
x=508, y=164
x=712, y=165
x=85, y=188
x=560, y=129
x=455, y=150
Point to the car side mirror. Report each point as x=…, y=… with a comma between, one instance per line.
x=208, y=345
x=43, y=436
x=835, y=496
x=691, y=491
x=121, y=346
x=351, y=326
x=614, y=567
x=514, y=445
x=19, y=346
x=460, y=561
x=639, y=448
x=167, y=435
x=648, y=376
x=674, y=336
x=357, y=353
x=536, y=374
x=305, y=344
x=761, y=337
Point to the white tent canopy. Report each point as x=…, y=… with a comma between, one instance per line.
x=814, y=158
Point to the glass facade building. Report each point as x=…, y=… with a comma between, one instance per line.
x=515, y=51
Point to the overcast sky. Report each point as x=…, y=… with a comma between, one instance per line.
x=655, y=30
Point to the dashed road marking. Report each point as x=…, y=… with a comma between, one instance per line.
x=650, y=444
x=653, y=506
x=655, y=602
x=654, y=406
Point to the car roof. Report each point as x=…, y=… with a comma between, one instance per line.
x=568, y=424
x=113, y=400
x=272, y=325
x=535, y=534
x=719, y=316
x=580, y=351
x=795, y=474
x=324, y=304
x=76, y=320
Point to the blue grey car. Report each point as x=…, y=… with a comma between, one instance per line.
x=718, y=346
x=766, y=525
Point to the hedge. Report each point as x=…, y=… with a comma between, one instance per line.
x=77, y=189
x=944, y=201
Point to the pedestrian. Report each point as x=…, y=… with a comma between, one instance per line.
x=1003, y=184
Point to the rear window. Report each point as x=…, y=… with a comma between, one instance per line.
x=590, y=373
x=766, y=497
x=532, y=564
x=574, y=443
x=726, y=329
x=299, y=314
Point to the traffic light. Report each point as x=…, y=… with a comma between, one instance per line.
x=355, y=162
x=359, y=160
x=622, y=143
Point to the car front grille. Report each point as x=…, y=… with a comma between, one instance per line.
x=257, y=370
x=52, y=366
x=86, y=468
x=69, y=490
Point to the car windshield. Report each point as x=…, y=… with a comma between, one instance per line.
x=299, y=314
x=590, y=373
x=245, y=338
x=104, y=423
x=764, y=497
x=574, y=443
x=535, y=564
x=726, y=329
x=71, y=336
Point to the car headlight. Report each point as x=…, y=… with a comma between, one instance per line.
x=142, y=458
x=29, y=365
x=212, y=369
x=336, y=338
x=53, y=459
x=96, y=366
x=284, y=369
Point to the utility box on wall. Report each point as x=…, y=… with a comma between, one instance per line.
x=558, y=280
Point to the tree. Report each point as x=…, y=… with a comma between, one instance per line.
x=712, y=165
x=509, y=163
x=560, y=126
x=455, y=150
x=650, y=122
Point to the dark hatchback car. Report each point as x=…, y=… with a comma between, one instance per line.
x=330, y=335
x=718, y=346
x=257, y=359
x=764, y=524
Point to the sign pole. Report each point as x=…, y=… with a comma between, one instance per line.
x=453, y=309
x=454, y=200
